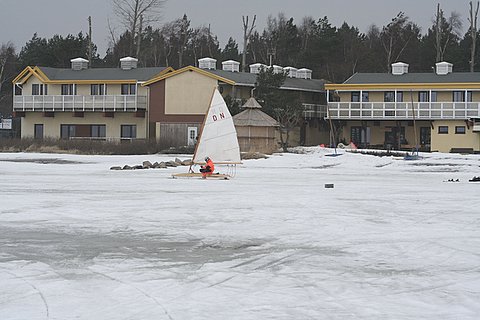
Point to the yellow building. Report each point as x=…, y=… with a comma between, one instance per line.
x=438, y=111
x=128, y=102
x=82, y=102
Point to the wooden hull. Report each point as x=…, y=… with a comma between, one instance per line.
x=199, y=176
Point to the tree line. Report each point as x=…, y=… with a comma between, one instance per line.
x=332, y=53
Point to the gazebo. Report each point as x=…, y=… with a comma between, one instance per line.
x=255, y=129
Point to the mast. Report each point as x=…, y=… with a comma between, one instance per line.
x=414, y=123
x=201, y=131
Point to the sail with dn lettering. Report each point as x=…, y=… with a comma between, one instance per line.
x=217, y=140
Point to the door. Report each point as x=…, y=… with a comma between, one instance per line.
x=38, y=131
x=192, y=136
x=425, y=139
x=356, y=135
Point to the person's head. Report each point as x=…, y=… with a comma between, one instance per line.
x=206, y=159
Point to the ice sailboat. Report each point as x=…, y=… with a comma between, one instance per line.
x=217, y=140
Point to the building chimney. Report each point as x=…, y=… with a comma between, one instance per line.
x=399, y=68
x=128, y=63
x=256, y=67
x=291, y=72
x=277, y=69
x=79, y=64
x=207, y=63
x=304, y=73
x=443, y=68
x=231, y=65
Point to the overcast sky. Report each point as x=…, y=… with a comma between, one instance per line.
x=20, y=19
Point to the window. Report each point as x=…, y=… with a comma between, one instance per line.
x=459, y=96
x=355, y=96
x=460, y=130
x=69, y=89
x=98, y=131
x=128, y=89
x=67, y=131
x=423, y=96
x=18, y=90
x=389, y=96
x=364, y=96
x=39, y=89
x=128, y=131
x=399, y=96
x=442, y=129
x=38, y=131
x=433, y=96
x=98, y=89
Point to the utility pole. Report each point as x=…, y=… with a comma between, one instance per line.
x=271, y=53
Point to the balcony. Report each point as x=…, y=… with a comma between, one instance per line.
x=404, y=110
x=119, y=103
x=312, y=111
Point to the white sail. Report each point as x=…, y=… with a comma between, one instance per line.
x=218, y=138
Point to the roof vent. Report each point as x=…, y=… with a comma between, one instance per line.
x=231, y=65
x=443, y=68
x=304, y=73
x=277, y=69
x=207, y=63
x=79, y=64
x=291, y=72
x=256, y=67
x=399, y=68
x=128, y=63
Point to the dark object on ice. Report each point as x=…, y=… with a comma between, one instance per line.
x=328, y=185
x=475, y=179
x=413, y=155
x=452, y=180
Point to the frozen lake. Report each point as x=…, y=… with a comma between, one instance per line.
x=393, y=239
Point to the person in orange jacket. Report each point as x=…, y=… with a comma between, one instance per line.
x=208, y=168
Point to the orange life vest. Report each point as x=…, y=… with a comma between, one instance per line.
x=210, y=164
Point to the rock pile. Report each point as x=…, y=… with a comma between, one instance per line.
x=156, y=165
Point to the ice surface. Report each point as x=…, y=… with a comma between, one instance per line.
x=392, y=240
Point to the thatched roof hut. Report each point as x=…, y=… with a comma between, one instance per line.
x=255, y=129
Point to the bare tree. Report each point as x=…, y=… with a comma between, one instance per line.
x=445, y=31
x=306, y=31
x=473, y=33
x=130, y=12
x=139, y=37
x=89, y=41
x=438, y=32
x=247, y=32
x=396, y=36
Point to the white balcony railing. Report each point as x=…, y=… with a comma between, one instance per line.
x=126, y=103
x=311, y=111
x=404, y=110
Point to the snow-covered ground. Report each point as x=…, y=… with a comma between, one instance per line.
x=392, y=240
